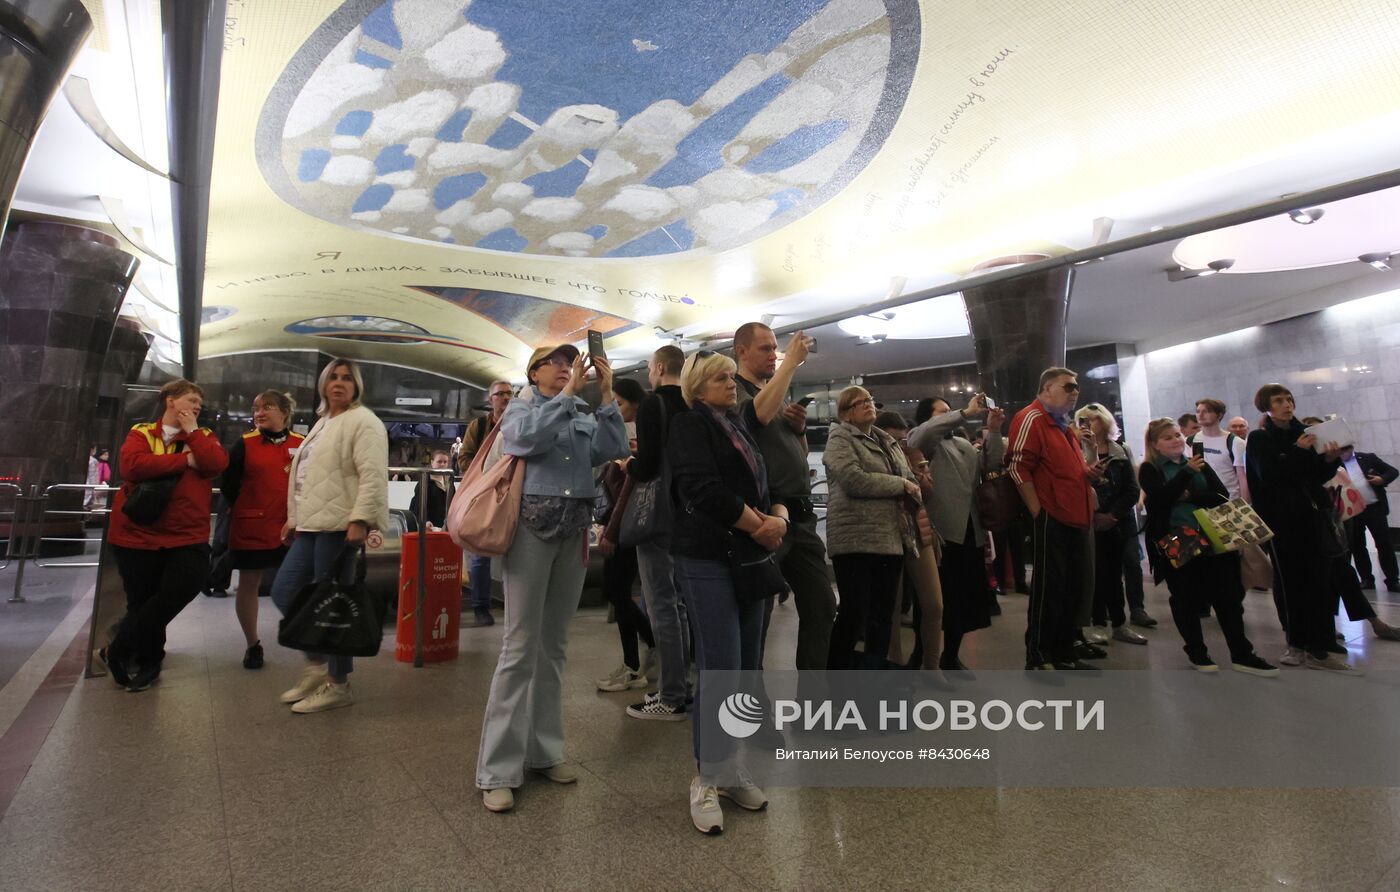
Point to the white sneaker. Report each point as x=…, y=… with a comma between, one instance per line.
x=1096, y=635
x=1334, y=664
x=705, y=812
x=1292, y=656
x=311, y=680
x=746, y=794
x=328, y=696
x=627, y=681
x=605, y=683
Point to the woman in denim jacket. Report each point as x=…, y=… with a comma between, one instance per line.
x=544, y=568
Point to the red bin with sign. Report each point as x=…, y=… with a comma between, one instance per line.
x=442, y=605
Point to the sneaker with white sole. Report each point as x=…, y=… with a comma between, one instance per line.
x=1292, y=656
x=612, y=677
x=705, y=812
x=498, y=800
x=328, y=696
x=1251, y=664
x=746, y=794
x=629, y=680
x=1096, y=635
x=652, y=708
x=1333, y=664
x=563, y=773
x=311, y=680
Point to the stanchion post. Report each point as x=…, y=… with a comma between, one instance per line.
x=25, y=535
x=422, y=593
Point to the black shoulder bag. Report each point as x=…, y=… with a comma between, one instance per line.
x=330, y=617
x=146, y=501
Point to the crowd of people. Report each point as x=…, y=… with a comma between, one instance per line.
x=707, y=502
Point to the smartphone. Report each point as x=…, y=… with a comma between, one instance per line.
x=991, y=403
x=595, y=344
x=805, y=401
x=811, y=345
x=1084, y=423
x=1198, y=449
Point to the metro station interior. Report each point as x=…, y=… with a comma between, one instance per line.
x=1176, y=202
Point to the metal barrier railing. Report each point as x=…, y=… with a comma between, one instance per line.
x=31, y=512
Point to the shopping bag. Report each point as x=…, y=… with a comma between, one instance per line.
x=1233, y=525
x=331, y=617
x=1347, y=499
x=1181, y=545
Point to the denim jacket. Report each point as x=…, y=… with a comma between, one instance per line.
x=561, y=443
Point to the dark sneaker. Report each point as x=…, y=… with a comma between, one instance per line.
x=1204, y=664
x=1335, y=648
x=115, y=668
x=143, y=679
x=1251, y=664
x=482, y=618
x=652, y=708
x=1140, y=618
x=1393, y=587
x=1368, y=584
x=1076, y=665
x=1086, y=651
x=253, y=657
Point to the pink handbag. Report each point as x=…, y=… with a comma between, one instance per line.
x=485, y=511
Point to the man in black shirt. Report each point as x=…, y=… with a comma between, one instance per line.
x=780, y=427
x=665, y=608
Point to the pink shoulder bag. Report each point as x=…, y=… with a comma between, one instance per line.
x=485, y=511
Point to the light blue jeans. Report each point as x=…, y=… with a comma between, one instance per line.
x=309, y=559
x=524, y=722
x=669, y=625
x=728, y=637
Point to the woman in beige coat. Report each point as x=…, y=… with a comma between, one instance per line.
x=869, y=528
x=339, y=492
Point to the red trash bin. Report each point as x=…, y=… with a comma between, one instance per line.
x=443, y=602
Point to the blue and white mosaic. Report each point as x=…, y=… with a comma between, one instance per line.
x=589, y=128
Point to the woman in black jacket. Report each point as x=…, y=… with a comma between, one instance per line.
x=1174, y=487
x=1115, y=527
x=720, y=488
x=1286, y=479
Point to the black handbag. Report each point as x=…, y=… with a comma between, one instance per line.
x=755, y=570
x=331, y=617
x=647, y=514
x=146, y=501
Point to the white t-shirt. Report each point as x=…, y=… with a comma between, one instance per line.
x=1217, y=454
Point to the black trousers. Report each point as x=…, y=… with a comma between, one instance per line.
x=1304, y=582
x=158, y=585
x=1108, y=578
x=1061, y=578
x=619, y=573
x=869, y=584
x=1375, y=522
x=1214, y=580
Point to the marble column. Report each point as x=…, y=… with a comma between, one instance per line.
x=61, y=288
x=1018, y=328
x=39, y=39
x=121, y=368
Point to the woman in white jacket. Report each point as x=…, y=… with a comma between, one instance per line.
x=339, y=492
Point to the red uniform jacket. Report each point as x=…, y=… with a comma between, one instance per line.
x=1050, y=456
x=256, y=489
x=145, y=456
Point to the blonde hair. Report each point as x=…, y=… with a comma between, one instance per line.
x=174, y=390
x=1155, y=428
x=847, y=397
x=323, y=407
x=700, y=368
x=278, y=400
x=1097, y=410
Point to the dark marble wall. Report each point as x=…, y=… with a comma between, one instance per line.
x=1018, y=328
x=122, y=366
x=61, y=288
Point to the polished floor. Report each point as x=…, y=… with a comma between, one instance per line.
x=206, y=782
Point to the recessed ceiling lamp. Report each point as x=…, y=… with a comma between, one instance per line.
x=1216, y=266
x=1377, y=260
x=1306, y=216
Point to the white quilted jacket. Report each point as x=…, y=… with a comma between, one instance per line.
x=347, y=478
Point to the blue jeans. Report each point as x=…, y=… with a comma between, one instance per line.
x=728, y=636
x=668, y=622
x=310, y=558
x=479, y=570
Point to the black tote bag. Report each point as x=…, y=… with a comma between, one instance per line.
x=330, y=617
x=146, y=501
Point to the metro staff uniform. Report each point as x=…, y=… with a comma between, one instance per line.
x=255, y=487
x=162, y=564
x=1046, y=452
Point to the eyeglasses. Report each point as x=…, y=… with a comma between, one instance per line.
x=501, y=393
x=1070, y=387
x=856, y=404
x=560, y=361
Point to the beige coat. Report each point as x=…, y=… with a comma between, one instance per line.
x=348, y=475
x=865, y=511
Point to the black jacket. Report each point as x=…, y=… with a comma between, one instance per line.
x=1160, y=495
x=437, y=504
x=1118, y=491
x=1285, y=482
x=1372, y=465
x=653, y=430
x=710, y=484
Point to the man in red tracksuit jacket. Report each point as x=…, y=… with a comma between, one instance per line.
x=1046, y=460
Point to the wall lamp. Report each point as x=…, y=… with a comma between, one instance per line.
x=1377, y=260
x=1306, y=216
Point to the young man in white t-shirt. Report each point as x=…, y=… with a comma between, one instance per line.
x=1224, y=451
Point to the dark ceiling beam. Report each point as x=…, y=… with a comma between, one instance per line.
x=194, y=35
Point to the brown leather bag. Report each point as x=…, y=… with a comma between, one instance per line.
x=998, y=501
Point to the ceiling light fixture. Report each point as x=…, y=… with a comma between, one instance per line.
x=1377, y=260
x=1216, y=266
x=1306, y=216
